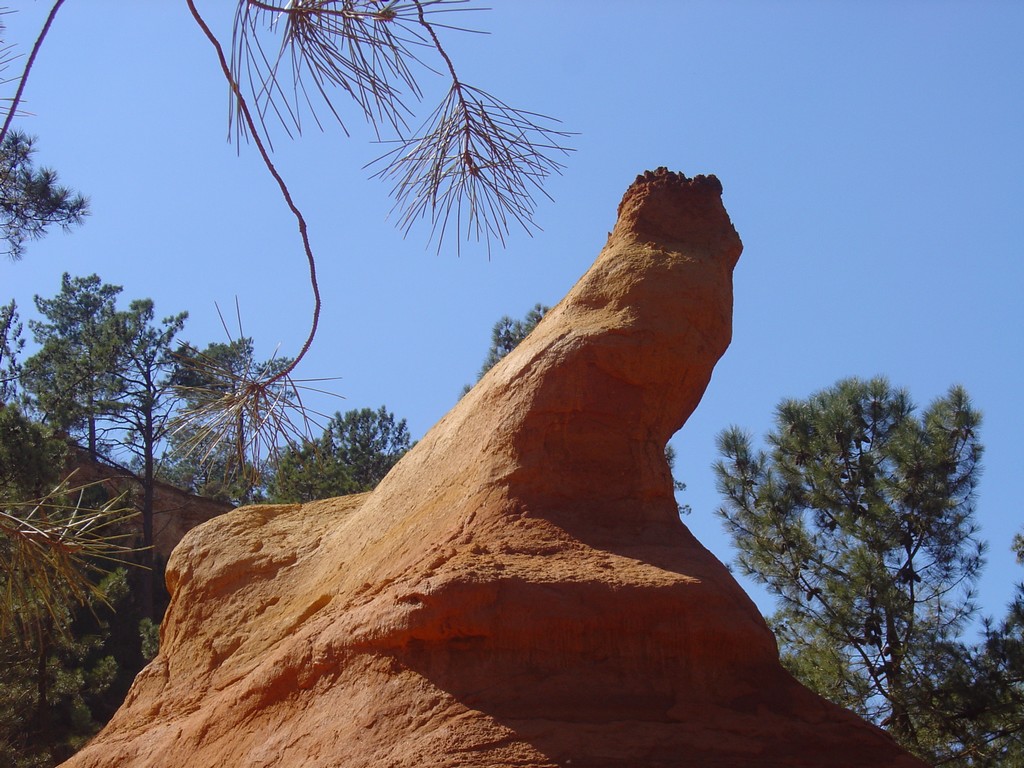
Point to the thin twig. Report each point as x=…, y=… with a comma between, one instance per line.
x=476, y=158
x=28, y=68
x=244, y=111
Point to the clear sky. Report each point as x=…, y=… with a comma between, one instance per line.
x=871, y=155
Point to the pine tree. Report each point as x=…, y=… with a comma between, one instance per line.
x=355, y=452
x=59, y=678
x=60, y=682
x=144, y=406
x=72, y=377
x=368, y=443
x=982, y=690
x=507, y=333
x=31, y=200
x=860, y=519
x=310, y=472
x=11, y=345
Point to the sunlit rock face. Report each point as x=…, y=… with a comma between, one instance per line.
x=519, y=590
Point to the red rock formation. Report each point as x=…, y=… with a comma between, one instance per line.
x=519, y=591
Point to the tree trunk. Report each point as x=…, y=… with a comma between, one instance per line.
x=901, y=725
x=93, y=452
x=148, y=600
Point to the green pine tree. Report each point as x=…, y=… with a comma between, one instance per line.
x=61, y=675
x=144, y=406
x=61, y=682
x=860, y=519
x=506, y=335
x=982, y=690
x=11, y=345
x=72, y=379
x=31, y=200
x=358, y=448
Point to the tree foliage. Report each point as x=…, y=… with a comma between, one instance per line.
x=11, y=346
x=982, y=689
x=507, y=333
x=31, y=199
x=60, y=684
x=210, y=434
x=100, y=370
x=144, y=370
x=143, y=409
x=860, y=519
x=1002, y=677
x=103, y=375
x=358, y=448
x=369, y=443
x=67, y=660
x=30, y=456
x=71, y=379
x=64, y=661
x=474, y=165
x=55, y=538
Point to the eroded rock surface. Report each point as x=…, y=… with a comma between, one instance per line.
x=519, y=591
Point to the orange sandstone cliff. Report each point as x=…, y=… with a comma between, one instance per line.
x=519, y=590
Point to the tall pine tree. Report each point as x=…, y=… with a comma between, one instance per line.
x=860, y=519
x=143, y=409
x=72, y=378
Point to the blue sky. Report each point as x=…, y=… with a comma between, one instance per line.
x=870, y=152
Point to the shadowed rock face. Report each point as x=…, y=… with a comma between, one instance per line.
x=519, y=591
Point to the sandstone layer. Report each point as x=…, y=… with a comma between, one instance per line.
x=519, y=590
